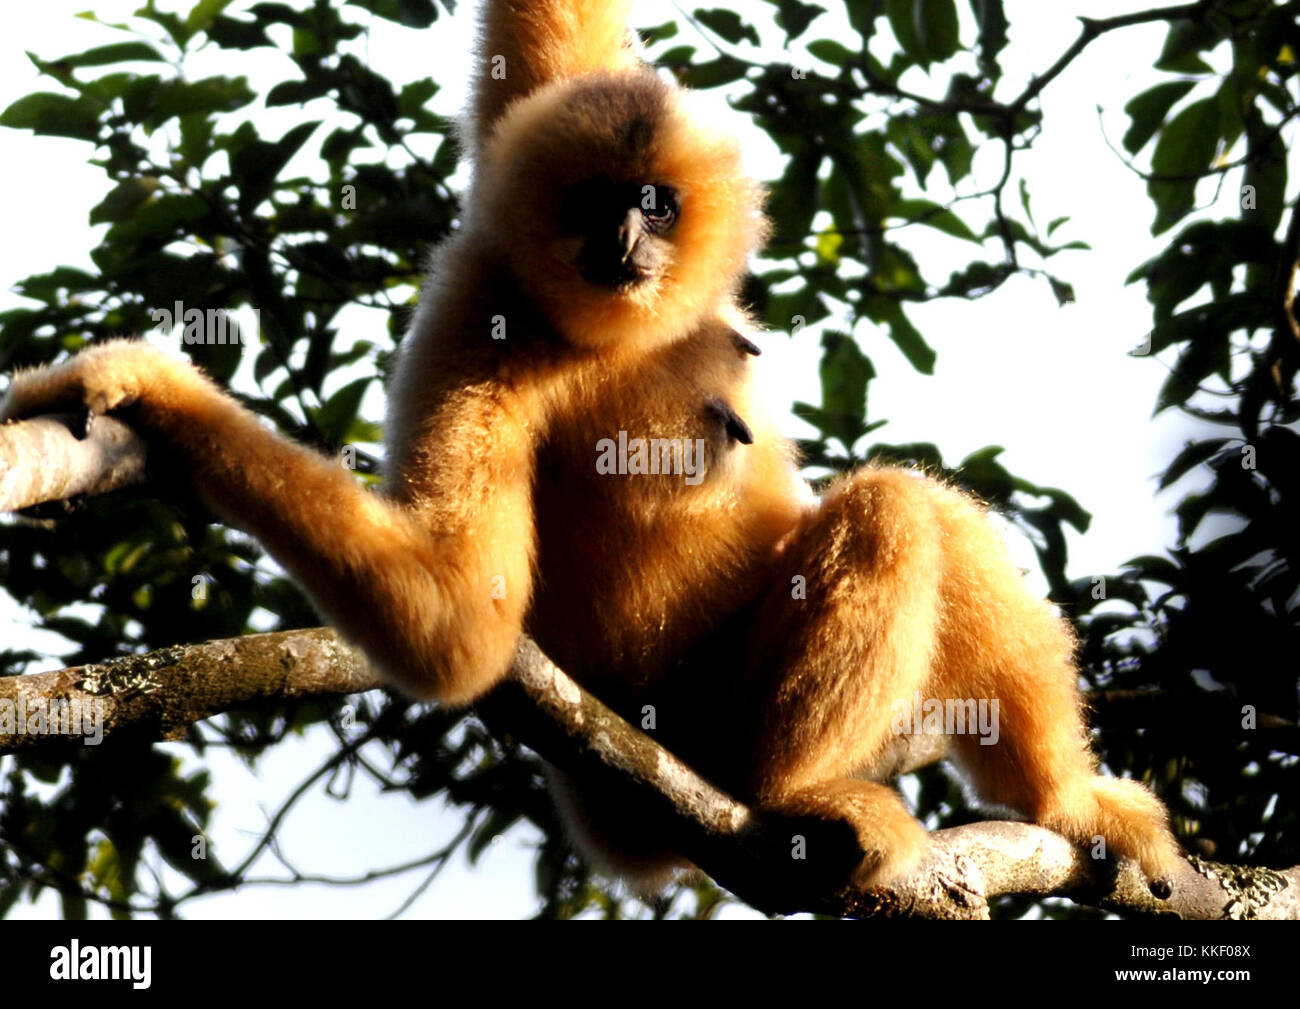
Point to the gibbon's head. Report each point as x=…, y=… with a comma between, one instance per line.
x=622, y=217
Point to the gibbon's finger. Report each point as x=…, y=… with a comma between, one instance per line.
x=737, y=429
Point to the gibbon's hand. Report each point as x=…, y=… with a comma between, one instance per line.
x=101, y=379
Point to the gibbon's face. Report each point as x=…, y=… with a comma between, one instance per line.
x=622, y=217
x=622, y=231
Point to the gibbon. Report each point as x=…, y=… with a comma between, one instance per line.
x=575, y=451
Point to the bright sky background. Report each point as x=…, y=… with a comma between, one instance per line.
x=1055, y=386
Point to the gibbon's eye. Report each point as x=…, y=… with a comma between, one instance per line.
x=659, y=207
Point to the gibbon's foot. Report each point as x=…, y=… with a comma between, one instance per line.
x=889, y=836
x=1131, y=820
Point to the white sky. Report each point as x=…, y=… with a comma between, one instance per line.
x=1055, y=386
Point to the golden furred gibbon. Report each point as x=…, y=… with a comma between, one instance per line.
x=574, y=451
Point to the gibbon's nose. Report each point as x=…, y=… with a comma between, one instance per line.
x=629, y=232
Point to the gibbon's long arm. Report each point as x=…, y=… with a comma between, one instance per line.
x=524, y=44
x=439, y=611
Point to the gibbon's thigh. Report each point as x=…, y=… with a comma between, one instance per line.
x=908, y=588
x=849, y=627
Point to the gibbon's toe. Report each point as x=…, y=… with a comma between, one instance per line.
x=1161, y=889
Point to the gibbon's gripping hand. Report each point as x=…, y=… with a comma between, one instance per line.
x=437, y=611
x=101, y=379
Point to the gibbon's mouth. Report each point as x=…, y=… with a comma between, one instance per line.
x=613, y=276
x=622, y=257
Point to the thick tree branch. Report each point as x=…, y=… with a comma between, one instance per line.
x=162, y=693
x=40, y=461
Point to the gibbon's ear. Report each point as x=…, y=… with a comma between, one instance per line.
x=524, y=44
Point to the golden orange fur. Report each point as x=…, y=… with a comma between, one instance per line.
x=775, y=637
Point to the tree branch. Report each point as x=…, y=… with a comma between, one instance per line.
x=161, y=693
x=1092, y=29
x=748, y=852
x=109, y=457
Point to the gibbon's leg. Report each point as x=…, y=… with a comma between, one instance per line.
x=440, y=614
x=848, y=627
x=1002, y=642
x=909, y=590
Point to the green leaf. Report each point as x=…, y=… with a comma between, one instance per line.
x=954, y=149
x=496, y=823
x=794, y=201
x=297, y=92
x=306, y=43
x=992, y=21
x=209, y=95
x=976, y=279
x=53, y=286
x=1266, y=174
x=230, y=33
x=845, y=373
x=901, y=23
x=107, y=87
x=914, y=137
x=934, y=215
x=714, y=73
x=800, y=308
x=793, y=16
x=1025, y=202
x=196, y=138
x=123, y=199
x=1148, y=110
x=1185, y=147
x=937, y=33
x=1062, y=291
x=337, y=414
x=171, y=23
x=118, y=52
x=159, y=218
x=728, y=24
x=415, y=96
x=1183, y=43
x=905, y=336
x=832, y=52
x=678, y=56
x=1192, y=455
x=54, y=115
x=339, y=145
x=255, y=166
x=656, y=34
x=202, y=14
x=1200, y=359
